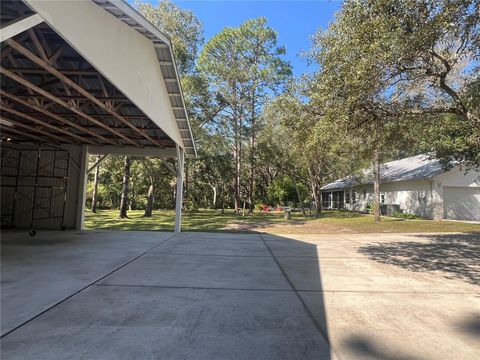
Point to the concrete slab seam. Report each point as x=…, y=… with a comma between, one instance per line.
x=84, y=288
x=192, y=287
x=344, y=238
x=212, y=255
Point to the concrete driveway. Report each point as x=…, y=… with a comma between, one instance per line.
x=150, y=295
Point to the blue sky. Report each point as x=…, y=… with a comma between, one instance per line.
x=294, y=21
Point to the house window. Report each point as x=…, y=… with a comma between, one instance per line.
x=382, y=198
x=347, y=197
x=354, y=197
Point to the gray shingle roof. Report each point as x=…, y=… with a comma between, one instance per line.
x=408, y=169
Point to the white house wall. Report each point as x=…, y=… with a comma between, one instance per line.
x=120, y=53
x=460, y=195
x=414, y=197
x=458, y=177
x=427, y=198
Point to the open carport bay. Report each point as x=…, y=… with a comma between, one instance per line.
x=150, y=295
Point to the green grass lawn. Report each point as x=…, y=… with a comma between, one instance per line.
x=211, y=220
x=201, y=220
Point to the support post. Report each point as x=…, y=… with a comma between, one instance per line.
x=82, y=188
x=179, y=193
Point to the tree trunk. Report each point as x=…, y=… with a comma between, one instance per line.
x=149, y=207
x=300, y=200
x=133, y=201
x=95, y=186
x=236, y=195
x=237, y=176
x=316, y=199
x=376, y=186
x=251, y=190
x=214, y=189
x=124, y=196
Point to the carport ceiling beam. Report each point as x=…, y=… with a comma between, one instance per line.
x=55, y=116
x=77, y=97
x=9, y=130
x=46, y=94
x=19, y=25
x=45, y=124
x=39, y=71
x=34, y=129
x=77, y=88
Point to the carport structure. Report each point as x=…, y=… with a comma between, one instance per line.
x=86, y=77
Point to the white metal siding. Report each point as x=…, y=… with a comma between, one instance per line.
x=17, y=195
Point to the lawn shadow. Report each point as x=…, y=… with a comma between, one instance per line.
x=456, y=256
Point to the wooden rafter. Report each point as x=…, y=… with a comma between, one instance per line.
x=101, y=116
x=41, y=51
x=45, y=124
x=70, y=107
x=57, y=53
x=5, y=52
x=34, y=129
x=40, y=71
x=122, y=128
x=77, y=88
x=54, y=116
x=76, y=97
x=162, y=141
x=9, y=130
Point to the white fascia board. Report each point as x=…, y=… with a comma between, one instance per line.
x=132, y=13
x=19, y=25
x=120, y=53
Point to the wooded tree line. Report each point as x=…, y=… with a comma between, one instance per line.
x=393, y=79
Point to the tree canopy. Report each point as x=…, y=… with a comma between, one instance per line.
x=395, y=78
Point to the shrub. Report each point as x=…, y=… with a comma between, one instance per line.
x=400, y=215
x=370, y=208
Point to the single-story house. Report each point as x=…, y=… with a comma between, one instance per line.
x=416, y=185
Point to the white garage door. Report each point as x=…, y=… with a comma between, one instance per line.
x=461, y=203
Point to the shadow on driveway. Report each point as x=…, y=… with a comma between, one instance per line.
x=456, y=256
x=193, y=296
x=363, y=346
